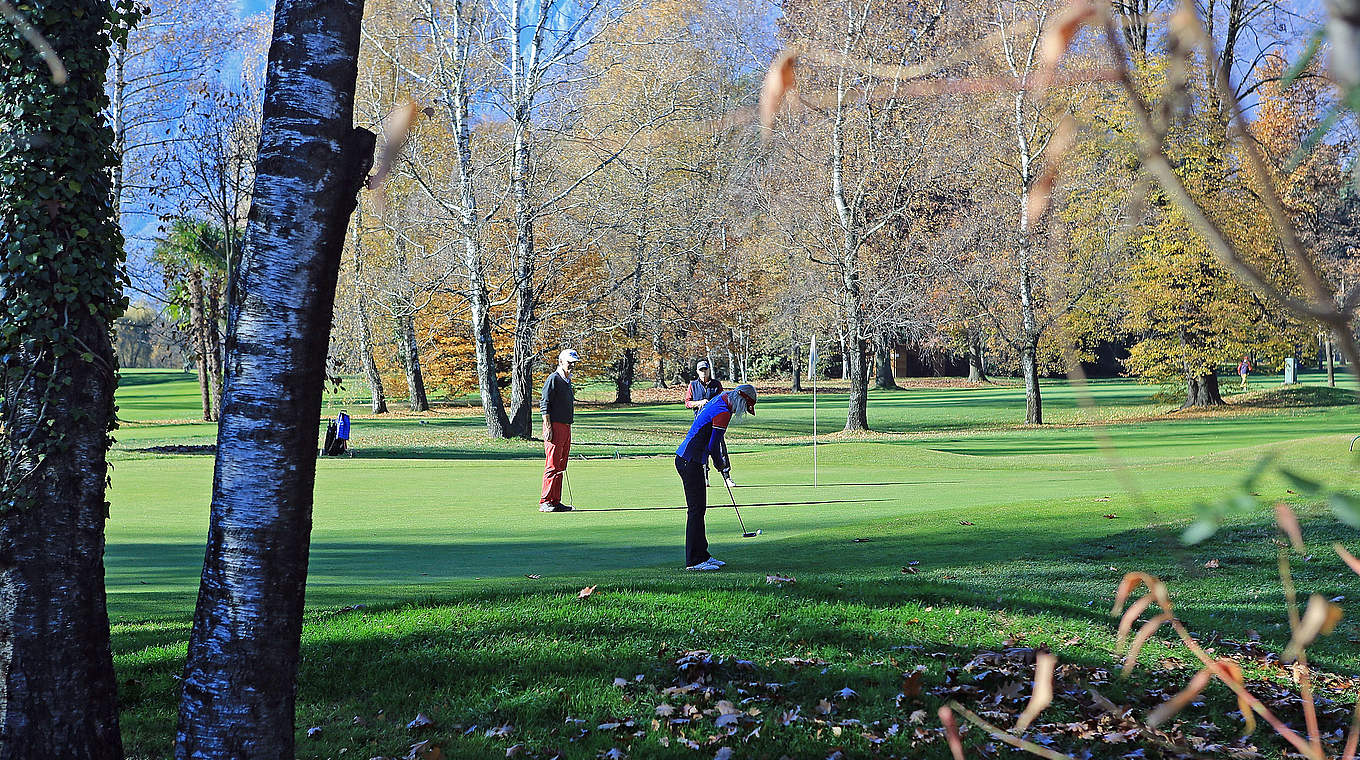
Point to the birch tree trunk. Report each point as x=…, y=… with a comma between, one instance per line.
x=239, y=685
x=60, y=272
x=408, y=348
x=371, y=374
x=454, y=75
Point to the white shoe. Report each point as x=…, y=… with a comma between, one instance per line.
x=727, y=479
x=707, y=564
x=716, y=561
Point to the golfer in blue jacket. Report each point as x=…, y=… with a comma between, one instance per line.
x=705, y=438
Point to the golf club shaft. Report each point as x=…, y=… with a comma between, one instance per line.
x=570, y=497
x=734, y=508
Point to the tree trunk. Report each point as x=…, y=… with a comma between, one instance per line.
x=977, y=371
x=1029, y=366
x=623, y=381
x=240, y=680
x=1202, y=391
x=198, y=339
x=366, y=356
x=375, y=385
x=457, y=99
x=58, y=693
x=659, y=349
x=857, y=414
x=883, y=368
x=212, y=319
x=795, y=357
x=408, y=349
x=1331, y=363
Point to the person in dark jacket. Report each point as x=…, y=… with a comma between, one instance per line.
x=557, y=406
x=705, y=437
x=697, y=394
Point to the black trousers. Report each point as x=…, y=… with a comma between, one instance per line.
x=696, y=495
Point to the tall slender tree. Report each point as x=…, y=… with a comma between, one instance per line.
x=241, y=677
x=60, y=291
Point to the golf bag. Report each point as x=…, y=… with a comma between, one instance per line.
x=337, y=436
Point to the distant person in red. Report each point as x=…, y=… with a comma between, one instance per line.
x=557, y=405
x=1244, y=369
x=697, y=394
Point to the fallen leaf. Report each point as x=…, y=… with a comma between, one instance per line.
x=1111, y=516
x=514, y=750
x=664, y=710
x=313, y=732
x=917, y=717
x=533, y=576
x=421, y=721
x=620, y=682
x=825, y=707
x=1212, y=564
x=500, y=732
x=860, y=540
x=847, y=693
x=1102, y=498
x=585, y=592
x=424, y=750
x=727, y=719
x=907, y=570
x=613, y=753
x=779, y=579
x=724, y=753
x=964, y=522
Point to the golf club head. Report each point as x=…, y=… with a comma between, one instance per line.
x=752, y=534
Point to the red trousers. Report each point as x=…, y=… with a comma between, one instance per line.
x=556, y=452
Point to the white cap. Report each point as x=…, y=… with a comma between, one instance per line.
x=568, y=355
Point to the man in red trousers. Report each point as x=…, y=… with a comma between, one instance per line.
x=557, y=404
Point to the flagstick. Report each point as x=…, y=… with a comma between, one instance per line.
x=814, y=429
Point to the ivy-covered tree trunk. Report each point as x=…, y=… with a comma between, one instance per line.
x=60, y=291
x=1202, y=391
x=240, y=680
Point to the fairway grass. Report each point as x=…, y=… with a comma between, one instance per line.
x=420, y=602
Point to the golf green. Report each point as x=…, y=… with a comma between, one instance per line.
x=1032, y=524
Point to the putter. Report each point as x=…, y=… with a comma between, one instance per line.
x=571, y=499
x=744, y=532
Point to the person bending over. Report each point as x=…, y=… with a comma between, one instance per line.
x=705, y=438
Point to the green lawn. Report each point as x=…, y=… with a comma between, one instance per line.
x=433, y=529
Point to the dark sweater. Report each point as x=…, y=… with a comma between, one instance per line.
x=559, y=399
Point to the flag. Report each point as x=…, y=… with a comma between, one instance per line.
x=812, y=357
